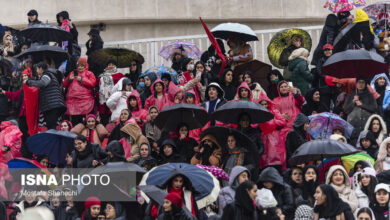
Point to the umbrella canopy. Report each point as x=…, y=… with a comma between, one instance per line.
x=189, y=114
x=118, y=167
x=350, y=160
x=228, y=30
x=222, y=133
x=188, y=48
x=232, y=110
x=259, y=71
x=154, y=193
x=122, y=56
x=111, y=192
x=20, y=163
x=343, y=38
x=354, y=63
x=336, y=6
x=281, y=41
x=216, y=171
x=160, y=71
x=320, y=149
x=41, y=52
x=52, y=143
x=376, y=9
x=206, y=186
x=6, y=66
x=322, y=125
x=46, y=33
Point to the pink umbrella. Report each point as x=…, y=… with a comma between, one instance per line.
x=216, y=171
x=336, y=6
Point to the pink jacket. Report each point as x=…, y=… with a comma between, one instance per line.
x=152, y=100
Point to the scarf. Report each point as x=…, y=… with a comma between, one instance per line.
x=84, y=154
x=236, y=158
x=106, y=85
x=180, y=192
x=90, y=135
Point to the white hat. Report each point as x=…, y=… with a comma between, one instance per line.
x=382, y=186
x=266, y=199
x=369, y=171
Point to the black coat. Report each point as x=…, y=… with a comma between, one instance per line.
x=60, y=212
x=311, y=105
x=281, y=190
x=380, y=211
x=50, y=95
x=230, y=90
x=328, y=34
x=4, y=84
x=186, y=148
x=297, y=136
x=254, y=135
x=92, y=152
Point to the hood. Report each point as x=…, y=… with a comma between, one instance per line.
x=279, y=84
x=381, y=121
x=133, y=130
x=382, y=153
x=244, y=85
x=221, y=93
x=274, y=72
x=152, y=76
x=355, y=214
x=300, y=120
x=309, y=95
x=368, y=135
x=361, y=16
x=149, y=147
x=158, y=81
x=126, y=81
x=270, y=174
x=84, y=61
x=172, y=91
x=116, y=148
x=347, y=182
x=337, y=137
x=63, y=14
x=299, y=53
x=211, y=138
x=135, y=94
x=169, y=142
x=264, y=97
x=6, y=124
x=193, y=93
x=235, y=172
x=372, y=84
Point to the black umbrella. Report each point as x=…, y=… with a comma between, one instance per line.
x=111, y=192
x=154, y=193
x=222, y=133
x=6, y=66
x=343, y=38
x=118, y=167
x=122, y=56
x=320, y=149
x=42, y=52
x=46, y=33
x=232, y=110
x=354, y=63
x=174, y=115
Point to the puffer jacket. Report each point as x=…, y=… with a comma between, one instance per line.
x=50, y=96
x=345, y=192
x=227, y=193
x=281, y=190
x=301, y=76
x=383, y=160
x=134, y=131
x=274, y=150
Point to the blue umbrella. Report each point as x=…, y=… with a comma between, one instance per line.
x=160, y=71
x=204, y=183
x=52, y=143
x=322, y=125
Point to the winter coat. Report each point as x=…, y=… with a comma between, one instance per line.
x=92, y=152
x=99, y=132
x=281, y=190
x=301, y=76
x=380, y=212
x=383, y=160
x=79, y=96
x=117, y=102
x=254, y=136
x=274, y=150
x=345, y=192
x=383, y=91
x=180, y=215
x=4, y=85
x=227, y=193
x=153, y=100
x=134, y=131
x=239, y=156
x=286, y=53
x=175, y=157
x=137, y=112
x=372, y=150
x=328, y=34
x=361, y=28
x=185, y=147
x=363, y=199
x=23, y=205
x=230, y=90
x=214, y=156
x=358, y=115
x=50, y=96
x=297, y=136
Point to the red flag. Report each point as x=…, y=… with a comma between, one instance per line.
x=216, y=46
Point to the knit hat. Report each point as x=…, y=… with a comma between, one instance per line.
x=175, y=199
x=304, y=212
x=32, y=12
x=91, y=201
x=91, y=116
x=369, y=171
x=113, y=61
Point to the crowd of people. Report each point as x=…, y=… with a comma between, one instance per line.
x=114, y=116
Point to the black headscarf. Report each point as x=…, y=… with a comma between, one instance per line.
x=242, y=198
x=333, y=206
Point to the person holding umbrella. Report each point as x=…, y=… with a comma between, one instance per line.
x=244, y=125
x=184, y=143
x=240, y=52
x=359, y=105
x=51, y=101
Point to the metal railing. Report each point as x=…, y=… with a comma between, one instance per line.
x=150, y=47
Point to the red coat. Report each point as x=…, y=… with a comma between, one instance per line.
x=138, y=112
x=79, y=98
x=172, y=91
x=11, y=136
x=154, y=101
x=275, y=150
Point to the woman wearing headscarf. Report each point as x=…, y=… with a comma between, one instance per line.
x=135, y=71
x=184, y=143
x=381, y=84
x=91, y=129
x=380, y=206
x=364, y=213
x=118, y=100
x=146, y=161
x=79, y=97
x=254, y=86
x=227, y=84
x=273, y=77
x=310, y=183
x=338, y=178
x=115, y=211
x=329, y=205
x=243, y=206
x=313, y=104
x=149, y=80
x=378, y=127
x=208, y=153
x=359, y=105
x=115, y=152
x=94, y=43
x=172, y=207
x=87, y=155
x=298, y=135
x=159, y=96
x=134, y=104
x=124, y=118
x=151, y=131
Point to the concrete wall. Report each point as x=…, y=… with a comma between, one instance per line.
x=137, y=19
